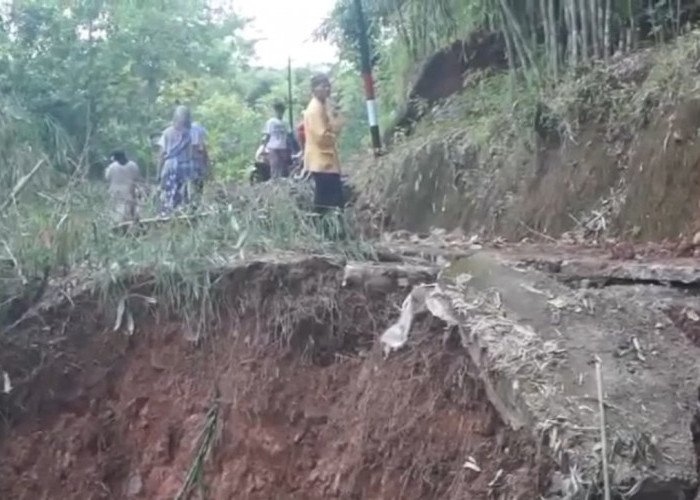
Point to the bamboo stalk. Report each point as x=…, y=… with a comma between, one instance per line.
x=546, y=28
x=606, y=41
x=574, y=32
x=600, y=29
x=603, y=434
x=566, y=11
x=555, y=45
x=520, y=43
x=511, y=63
x=204, y=442
x=631, y=34
x=531, y=10
x=121, y=226
x=403, y=30
x=585, y=51
x=592, y=5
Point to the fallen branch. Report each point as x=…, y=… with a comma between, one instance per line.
x=603, y=437
x=160, y=220
x=537, y=233
x=21, y=184
x=399, y=252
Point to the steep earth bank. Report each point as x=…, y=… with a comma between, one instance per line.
x=286, y=397
x=613, y=151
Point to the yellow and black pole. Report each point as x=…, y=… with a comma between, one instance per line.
x=366, y=68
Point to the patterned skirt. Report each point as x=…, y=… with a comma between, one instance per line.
x=174, y=189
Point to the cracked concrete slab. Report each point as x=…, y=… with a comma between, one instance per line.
x=536, y=341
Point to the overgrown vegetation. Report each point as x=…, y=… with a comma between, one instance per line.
x=545, y=39
x=622, y=96
x=77, y=81
x=505, y=131
x=82, y=78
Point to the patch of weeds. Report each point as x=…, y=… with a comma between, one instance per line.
x=623, y=96
x=76, y=236
x=630, y=93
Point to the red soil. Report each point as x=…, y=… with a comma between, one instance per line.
x=116, y=418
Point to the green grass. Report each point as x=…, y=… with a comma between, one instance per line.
x=498, y=118
x=71, y=232
x=498, y=111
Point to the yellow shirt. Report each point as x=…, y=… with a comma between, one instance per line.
x=320, y=153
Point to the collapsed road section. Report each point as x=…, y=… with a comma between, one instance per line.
x=271, y=379
x=558, y=354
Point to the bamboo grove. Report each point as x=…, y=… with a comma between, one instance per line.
x=551, y=35
x=546, y=36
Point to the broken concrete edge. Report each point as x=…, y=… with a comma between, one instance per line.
x=510, y=382
x=377, y=277
x=511, y=358
x=480, y=330
x=681, y=272
x=495, y=387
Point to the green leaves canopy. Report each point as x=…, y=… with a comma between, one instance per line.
x=97, y=69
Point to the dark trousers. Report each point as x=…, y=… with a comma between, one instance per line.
x=329, y=203
x=328, y=194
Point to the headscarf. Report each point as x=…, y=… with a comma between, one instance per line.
x=182, y=119
x=182, y=124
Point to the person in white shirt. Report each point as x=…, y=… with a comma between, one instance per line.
x=123, y=177
x=275, y=142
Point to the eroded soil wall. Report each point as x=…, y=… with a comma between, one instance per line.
x=307, y=406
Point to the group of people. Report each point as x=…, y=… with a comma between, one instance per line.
x=182, y=170
x=184, y=161
x=317, y=136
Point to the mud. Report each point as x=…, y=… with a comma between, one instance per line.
x=302, y=401
x=264, y=380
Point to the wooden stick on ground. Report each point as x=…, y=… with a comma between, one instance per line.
x=603, y=437
x=537, y=233
x=21, y=184
x=161, y=220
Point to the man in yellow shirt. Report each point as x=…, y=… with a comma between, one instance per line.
x=321, y=128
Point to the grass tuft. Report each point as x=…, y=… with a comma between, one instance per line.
x=70, y=233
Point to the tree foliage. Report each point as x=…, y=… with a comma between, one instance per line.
x=83, y=77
